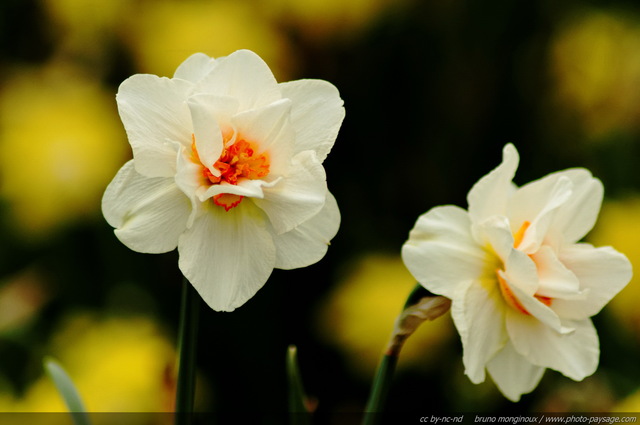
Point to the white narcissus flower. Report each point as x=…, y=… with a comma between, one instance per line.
x=227, y=167
x=522, y=287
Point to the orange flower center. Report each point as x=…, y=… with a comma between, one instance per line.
x=238, y=161
x=507, y=293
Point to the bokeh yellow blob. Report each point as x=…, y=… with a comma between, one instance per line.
x=360, y=313
x=117, y=364
x=86, y=25
x=164, y=33
x=619, y=226
x=324, y=19
x=61, y=142
x=630, y=403
x=595, y=62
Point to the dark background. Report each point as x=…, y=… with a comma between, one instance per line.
x=432, y=89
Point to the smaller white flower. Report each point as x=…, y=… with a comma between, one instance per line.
x=227, y=167
x=523, y=288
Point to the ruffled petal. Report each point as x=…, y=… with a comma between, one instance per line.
x=556, y=281
x=530, y=306
x=441, y=253
x=489, y=196
x=539, y=208
x=155, y=115
x=149, y=214
x=573, y=217
x=478, y=313
x=195, y=67
x=227, y=256
x=298, y=196
x=244, y=76
x=577, y=216
x=602, y=272
x=513, y=374
x=270, y=128
x=251, y=188
x=307, y=243
x=573, y=354
x=520, y=271
x=496, y=233
x=218, y=108
x=190, y=176
x=316, y=114
x=208, y=113
x=519, y=268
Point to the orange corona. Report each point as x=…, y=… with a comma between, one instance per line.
x=238, y=161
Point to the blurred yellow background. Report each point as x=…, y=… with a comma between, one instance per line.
x=433, y=90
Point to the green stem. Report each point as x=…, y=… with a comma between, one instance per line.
x=380, y=389
x=386, y=368
x=187, y=348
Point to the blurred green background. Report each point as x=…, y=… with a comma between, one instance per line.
x=433, y=90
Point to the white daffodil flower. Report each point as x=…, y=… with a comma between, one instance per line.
x=522, y=287
x=227, y=167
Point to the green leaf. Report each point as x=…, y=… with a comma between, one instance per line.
x=67, y=390
x=299, y=413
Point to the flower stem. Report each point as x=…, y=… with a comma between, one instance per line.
x=380, y=388
x=421, y=305
x=187, y=348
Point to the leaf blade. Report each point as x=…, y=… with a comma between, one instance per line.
x=67, y=390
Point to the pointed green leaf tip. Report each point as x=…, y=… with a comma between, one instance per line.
x=67, y=390
x=297, y=398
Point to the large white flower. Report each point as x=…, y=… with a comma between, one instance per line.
x=227, y=167
x=522, y=288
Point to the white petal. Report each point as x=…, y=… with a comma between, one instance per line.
x=307, y=243
x=573, y=217
x=513, y=374
x=441, y=253
x=246, y=187
x=149, y=214
x=556, y=281
x=539, y=208
x=227, y=255
x=220, y=108
x=603, y=272
x=155, y=114
x=577, y=217
x=490, y=194
x=316, y=114
x=244, y=76
x=189, y=174
x=574, y=354
x=195, y=67
x=270, y=128
x=535, y=308
x=478, y=313
x=206, y=113
x=520, y=271
x=299, y=196
x=496, y=233
x=519, y=268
